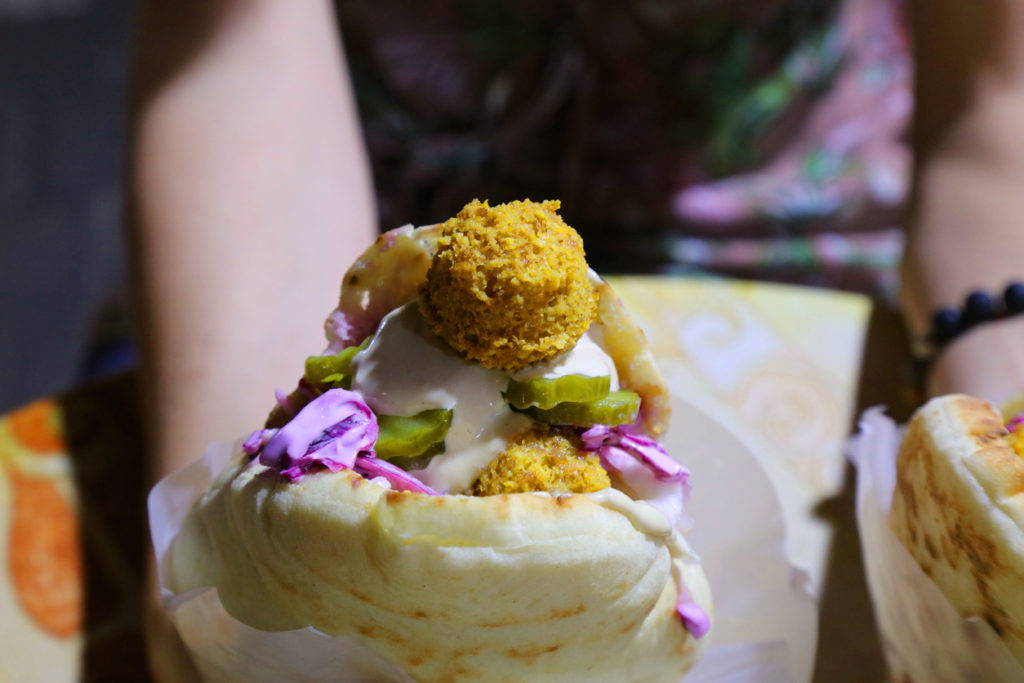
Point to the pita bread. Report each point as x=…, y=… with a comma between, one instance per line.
x=959, y=509
x=516, y=587
x=510, y=587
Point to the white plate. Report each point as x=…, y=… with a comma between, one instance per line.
x=765, y=625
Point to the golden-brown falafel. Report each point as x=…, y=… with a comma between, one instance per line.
x=509, y=285
x=543, y=459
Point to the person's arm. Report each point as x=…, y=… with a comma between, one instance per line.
x=966, y=229
x=251, y=195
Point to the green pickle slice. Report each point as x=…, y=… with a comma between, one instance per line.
x=615, y=408
x=332, y=372
x=547, y=393
x=414, y=435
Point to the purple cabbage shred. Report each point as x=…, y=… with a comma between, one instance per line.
x=695, y=620
x=334, y=431
x=645, y=467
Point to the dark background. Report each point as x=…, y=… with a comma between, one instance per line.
x=63, y=72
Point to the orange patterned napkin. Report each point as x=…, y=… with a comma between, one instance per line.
x=41, y=577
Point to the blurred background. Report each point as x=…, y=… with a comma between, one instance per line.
x=753, y=140
x=63, y=72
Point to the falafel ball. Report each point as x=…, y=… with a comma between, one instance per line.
x=543, y=459
x=509, y=285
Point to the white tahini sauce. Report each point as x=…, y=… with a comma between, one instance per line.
x=407, y=369
x=645, y=518
x=588, y=358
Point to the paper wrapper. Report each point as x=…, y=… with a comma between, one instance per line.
x=765, y=624
x=923, y=637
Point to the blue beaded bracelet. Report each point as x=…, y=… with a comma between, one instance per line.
x=979, y=307
x=949, y=323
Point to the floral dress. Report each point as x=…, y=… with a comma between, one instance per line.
x=757, y=139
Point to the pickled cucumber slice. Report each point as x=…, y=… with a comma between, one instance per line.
x=545, y=393
x=420, y=461
x=332, y=372
x=615, y=408
x=408, y=437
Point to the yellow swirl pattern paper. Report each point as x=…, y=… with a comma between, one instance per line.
x=776, y=364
